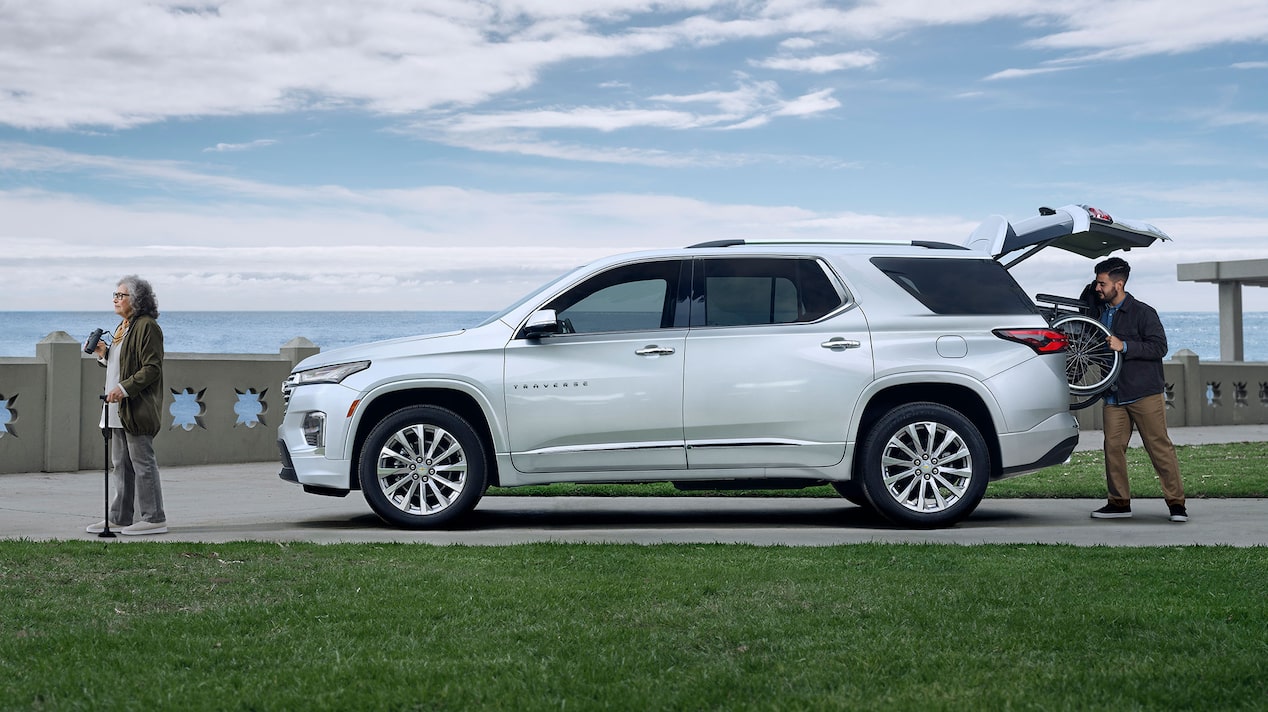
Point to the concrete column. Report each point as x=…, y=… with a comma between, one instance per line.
x=1231, y=341
x=298, y=349
x=1193, y=388
x=62, y=354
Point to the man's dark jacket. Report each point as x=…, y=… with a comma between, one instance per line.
x=1138, y=325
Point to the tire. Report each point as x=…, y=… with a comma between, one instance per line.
x=925, y=465
x=422, y=467
x=1091, y=366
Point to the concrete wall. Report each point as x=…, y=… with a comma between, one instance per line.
x=226, y=407
x=1214, y=393
x=218, y=407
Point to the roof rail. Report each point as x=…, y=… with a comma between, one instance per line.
x=715, y=243
x=928, y=244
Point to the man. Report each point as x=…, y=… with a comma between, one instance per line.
x=134, y=398
x=1137, y=396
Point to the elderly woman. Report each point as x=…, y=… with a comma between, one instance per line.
x=134, y=397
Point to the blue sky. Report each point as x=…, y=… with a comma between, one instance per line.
x=453, y=154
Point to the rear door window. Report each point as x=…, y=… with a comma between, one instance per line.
x=958, y=286
x=761, y=290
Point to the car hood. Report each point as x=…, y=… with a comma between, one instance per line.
x=393, y=348
x=1079, y=229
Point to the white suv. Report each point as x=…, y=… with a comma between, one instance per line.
x=906, y=375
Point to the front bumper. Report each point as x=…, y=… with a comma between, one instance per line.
x=327, y=464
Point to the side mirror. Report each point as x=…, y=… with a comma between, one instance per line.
x=541, y=324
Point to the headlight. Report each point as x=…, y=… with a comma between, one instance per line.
x=328, y=374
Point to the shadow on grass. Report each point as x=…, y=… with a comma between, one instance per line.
x=587, y=514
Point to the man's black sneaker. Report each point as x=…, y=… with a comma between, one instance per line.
x=1113, y=511
x=1177, y=513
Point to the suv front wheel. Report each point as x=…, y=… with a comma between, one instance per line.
x=422, y=467
x=925, y=465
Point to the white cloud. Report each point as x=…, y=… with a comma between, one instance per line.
x=226, y=247
x=1246, y=196
x=450, y=248
x=797, y=43
x=530, y=145
x=731, y=109
x=585, y=117
x=1023, y=73
x=821, y=64
x=812, y=103
x=457, y=73
x=1238, y=118
x=137, y=63
x=748, y=106
x=233, y=147
x=1136, y=28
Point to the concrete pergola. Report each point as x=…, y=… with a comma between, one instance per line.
x=1230, y=276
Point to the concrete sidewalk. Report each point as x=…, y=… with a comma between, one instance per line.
x=219, y=503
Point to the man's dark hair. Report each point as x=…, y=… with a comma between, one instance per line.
x=1115, y=267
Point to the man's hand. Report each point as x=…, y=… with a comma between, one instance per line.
x=115, y=395
x=1114, y=343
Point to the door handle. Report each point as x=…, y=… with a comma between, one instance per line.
x=654, y=350
x=838, y=343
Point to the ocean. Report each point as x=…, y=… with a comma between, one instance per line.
x=264, y=332
x=241, y=332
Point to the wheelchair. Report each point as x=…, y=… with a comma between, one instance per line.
x=1091, y=366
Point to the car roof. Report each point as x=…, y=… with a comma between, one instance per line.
x=818, y=243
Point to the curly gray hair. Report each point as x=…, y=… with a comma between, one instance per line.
x=141, y=295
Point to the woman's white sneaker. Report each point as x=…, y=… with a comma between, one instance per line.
x=140, y=528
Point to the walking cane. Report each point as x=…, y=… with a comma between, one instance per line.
x=105, y=436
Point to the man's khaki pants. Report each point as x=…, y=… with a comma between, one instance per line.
x=1149, y=415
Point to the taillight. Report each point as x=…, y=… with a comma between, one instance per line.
x=1043, y=341
x=1098, y=214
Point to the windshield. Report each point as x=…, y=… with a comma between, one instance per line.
x=524, y=299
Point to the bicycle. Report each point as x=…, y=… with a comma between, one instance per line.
x=1091, y=365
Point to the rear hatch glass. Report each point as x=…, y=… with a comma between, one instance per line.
x=957, y=286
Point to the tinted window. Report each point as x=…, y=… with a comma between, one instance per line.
x=958, y=286
x=741, y=292
x=629, y=298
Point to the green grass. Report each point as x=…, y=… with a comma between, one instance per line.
x=1229, y=470
x=1226, y=470
x=94, y=626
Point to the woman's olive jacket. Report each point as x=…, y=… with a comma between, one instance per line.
x=141, y=376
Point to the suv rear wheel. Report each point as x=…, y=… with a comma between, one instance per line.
x=422, y=467
x=925, y=465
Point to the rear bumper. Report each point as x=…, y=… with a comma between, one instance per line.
x=1044, y=445
x=1055, y=456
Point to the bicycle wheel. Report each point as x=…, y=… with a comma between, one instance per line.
x=1091, y=366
